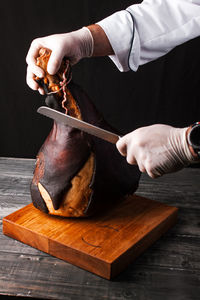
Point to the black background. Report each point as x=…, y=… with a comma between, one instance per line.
x=164, y=91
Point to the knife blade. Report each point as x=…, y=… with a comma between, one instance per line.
x=79, y=124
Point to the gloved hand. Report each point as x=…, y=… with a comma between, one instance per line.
x=157, y=149
x=74, y=45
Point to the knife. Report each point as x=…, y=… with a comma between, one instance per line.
x=79, y=124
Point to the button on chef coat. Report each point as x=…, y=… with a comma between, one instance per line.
x=143, y=32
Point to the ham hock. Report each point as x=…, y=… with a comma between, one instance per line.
x=77, y=174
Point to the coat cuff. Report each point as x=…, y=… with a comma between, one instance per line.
x=119, y=29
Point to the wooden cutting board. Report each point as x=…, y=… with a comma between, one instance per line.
x=104, y=244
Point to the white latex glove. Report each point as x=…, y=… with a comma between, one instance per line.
x=157, y=149
x=74, y=45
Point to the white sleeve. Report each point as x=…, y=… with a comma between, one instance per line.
x=146, y=31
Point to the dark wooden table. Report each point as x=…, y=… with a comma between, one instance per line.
x=170, y=269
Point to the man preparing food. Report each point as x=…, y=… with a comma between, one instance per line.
x=135, y=36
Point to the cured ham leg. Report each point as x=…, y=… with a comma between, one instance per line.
x=77, y=174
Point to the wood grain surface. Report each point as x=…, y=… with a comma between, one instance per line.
x=104, y=244
x=169, y=269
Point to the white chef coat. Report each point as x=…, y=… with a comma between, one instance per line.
x=146, y=31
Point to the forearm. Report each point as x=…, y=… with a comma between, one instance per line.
x=158, y=149
x=143, y=32
x=102, y=46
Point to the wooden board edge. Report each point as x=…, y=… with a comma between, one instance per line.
x=24, y=235
x=49, y=246
x=10, y=216
x=131, y=254
x=105, y=269
x=80, y=259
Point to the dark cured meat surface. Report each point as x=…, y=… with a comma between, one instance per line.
x=64, y=153
x=113, y=177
